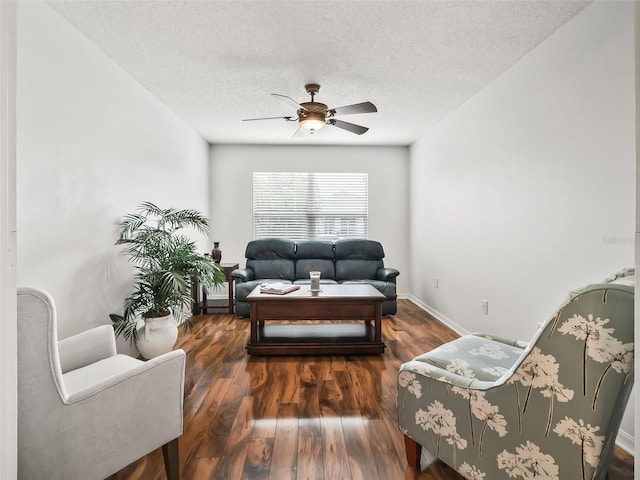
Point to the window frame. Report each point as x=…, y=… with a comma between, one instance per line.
x=310, y=205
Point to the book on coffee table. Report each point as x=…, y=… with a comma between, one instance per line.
x=278, y=288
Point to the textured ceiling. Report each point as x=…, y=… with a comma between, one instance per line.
x=216, y=62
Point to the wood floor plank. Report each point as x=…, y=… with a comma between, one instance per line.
x=364, y=385
x=397, y=441
x=308, y=373
x=334, y=447
x=290, y=380
x=203, y=469
x=258, y=460
x=389, y=464
x=196, y=432
x=309, y=464
x=237, y=442
x=285, y=444
x=361, y=461
x=219, y=424
x=300, y=417
x=267, y=398
x=309, y=406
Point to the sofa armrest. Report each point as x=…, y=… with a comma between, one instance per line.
x=87, y=347
x=387, y=274
x=242, y=275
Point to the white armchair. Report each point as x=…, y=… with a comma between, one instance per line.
x=84, y=411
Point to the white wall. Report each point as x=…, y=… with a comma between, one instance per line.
x=232, y=168
x=92, y=144
x=528, y=190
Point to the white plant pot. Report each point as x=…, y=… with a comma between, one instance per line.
x=157, y=336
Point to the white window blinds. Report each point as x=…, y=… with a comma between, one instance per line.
x=310, y=206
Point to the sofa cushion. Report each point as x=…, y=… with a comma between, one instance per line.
x=357, y=269
x=315, y=256
x=314, y=249
x=325, y=267
x=270, y=248
x=271, y=258
x=358, y=249
x=281, y=269
x=358, y=259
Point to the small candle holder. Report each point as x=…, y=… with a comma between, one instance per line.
x=314, y=277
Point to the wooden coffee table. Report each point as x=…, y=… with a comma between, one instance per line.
x=333, y=302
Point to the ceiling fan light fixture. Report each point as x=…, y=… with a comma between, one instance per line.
x=312, y=121
x=314, y=115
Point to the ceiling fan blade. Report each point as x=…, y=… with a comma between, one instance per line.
x=351, y=127
x=364, y=107
x=288, y=119
x=299, y=133
x=288, y=100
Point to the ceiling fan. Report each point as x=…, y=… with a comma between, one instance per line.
x=315, y=115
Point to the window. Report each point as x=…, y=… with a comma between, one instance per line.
x=310, y=206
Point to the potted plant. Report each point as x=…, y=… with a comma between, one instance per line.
x=166, y=264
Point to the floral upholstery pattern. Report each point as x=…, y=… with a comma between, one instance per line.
x=493, y=408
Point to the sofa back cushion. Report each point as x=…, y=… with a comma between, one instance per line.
x=271, y=258
x=358, y=259
x=315, y=256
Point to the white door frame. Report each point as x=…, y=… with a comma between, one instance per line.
x=8, y=323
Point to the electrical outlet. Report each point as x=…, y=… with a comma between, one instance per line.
x=435, y=282
x=485, y=307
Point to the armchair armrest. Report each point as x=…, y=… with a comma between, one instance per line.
x=152, y=373
x=242, y=274
x=387, y=274
x=442, y=375
x=506, y=341
x=87, y=347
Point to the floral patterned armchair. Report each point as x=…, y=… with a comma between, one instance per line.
x=498, y=409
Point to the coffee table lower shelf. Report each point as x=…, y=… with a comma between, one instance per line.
x=316, y=339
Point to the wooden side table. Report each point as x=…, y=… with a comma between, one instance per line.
x=206, y=304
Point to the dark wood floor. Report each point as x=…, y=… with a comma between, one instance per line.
x=278, y=418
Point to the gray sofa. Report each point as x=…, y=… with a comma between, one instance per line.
x=342, y=261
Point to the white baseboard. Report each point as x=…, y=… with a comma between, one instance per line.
x=439, y=316
x=624, y=440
